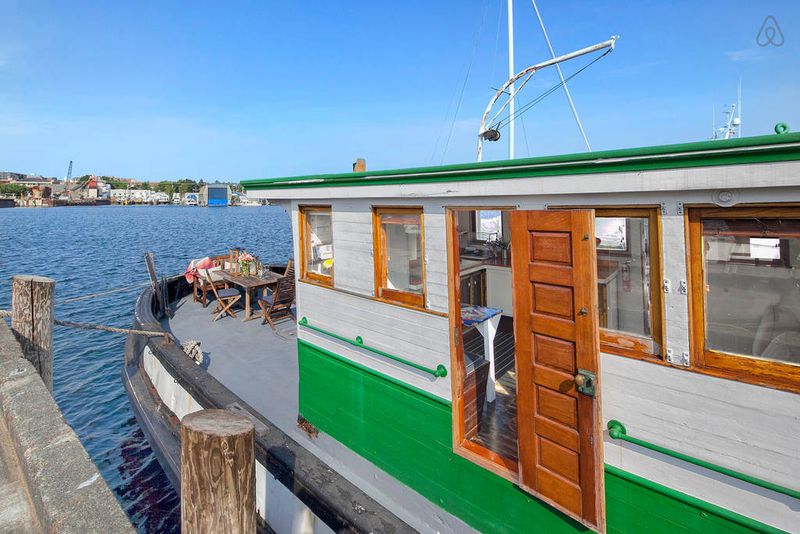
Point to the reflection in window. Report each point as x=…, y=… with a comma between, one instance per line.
x=488, y=225
x=318, y=242
x=400, y=255
x=752, y=293
x=623, y=274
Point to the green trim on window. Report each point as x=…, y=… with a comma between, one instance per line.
x=761, y=149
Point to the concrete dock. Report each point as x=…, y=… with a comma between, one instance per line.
x=48, y=483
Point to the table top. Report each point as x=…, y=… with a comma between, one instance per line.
x=251, y=280
x=471, y=315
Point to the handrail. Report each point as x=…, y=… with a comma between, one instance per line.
x=440, y=370
x=617, y=430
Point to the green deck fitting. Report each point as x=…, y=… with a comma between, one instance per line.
x=617, y=430
x=440, y=370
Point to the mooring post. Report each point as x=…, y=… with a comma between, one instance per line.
x=218, y=478
x=32, y=321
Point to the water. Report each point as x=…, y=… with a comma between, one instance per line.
x=91, y=249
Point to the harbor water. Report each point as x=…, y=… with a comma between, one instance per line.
x=89, y=250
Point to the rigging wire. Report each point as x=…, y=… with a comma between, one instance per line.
x=466, y=78
x=504, y=122
x=561, y=76
x=497, y=39
x=525, y=135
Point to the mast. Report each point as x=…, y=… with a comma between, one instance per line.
x=511, y=74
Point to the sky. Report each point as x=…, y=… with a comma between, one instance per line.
x=235, y=90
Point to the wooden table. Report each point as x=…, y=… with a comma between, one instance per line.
x=249, y=283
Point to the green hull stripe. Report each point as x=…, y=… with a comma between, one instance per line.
x=705, y=508
x=388, y=378
x=762, y=149
x=408, y=434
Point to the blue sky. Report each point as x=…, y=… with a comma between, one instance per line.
x=240, y=90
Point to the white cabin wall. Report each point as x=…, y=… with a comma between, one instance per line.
x=747, y=428
x=353, y=247
x=414, y=335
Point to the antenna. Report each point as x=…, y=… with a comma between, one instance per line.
x=511, y=73
x=738, y=120
x=713, y=122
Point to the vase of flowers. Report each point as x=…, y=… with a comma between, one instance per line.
x=245, y=261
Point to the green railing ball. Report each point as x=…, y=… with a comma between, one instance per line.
x=781, y=128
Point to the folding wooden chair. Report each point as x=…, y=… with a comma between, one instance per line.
x=225, y=299
x=279, y=302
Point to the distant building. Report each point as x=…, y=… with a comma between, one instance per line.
x=215, y=195
x=28, y=180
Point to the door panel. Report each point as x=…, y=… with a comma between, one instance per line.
x=556, y=334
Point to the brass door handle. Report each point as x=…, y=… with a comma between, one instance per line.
x=580, y=380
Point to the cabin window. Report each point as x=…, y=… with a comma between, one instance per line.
x=628, y=281
x=399, y=256
x=746, y=293
x=316, y=244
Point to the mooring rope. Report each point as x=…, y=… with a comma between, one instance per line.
x=100, y=294
x=89, y=326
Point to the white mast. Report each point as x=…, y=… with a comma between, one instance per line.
x=511, y=74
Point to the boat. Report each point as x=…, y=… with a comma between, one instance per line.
x=601, y=341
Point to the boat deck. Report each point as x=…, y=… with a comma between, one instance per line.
x=261, y=368
x=247, y=357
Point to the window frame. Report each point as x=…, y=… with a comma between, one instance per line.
x=305, y=275
x=742, y=368
x=627, y=344
x=383, y=293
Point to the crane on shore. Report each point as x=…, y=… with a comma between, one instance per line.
x=67, y=180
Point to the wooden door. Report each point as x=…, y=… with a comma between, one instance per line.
x=557, y=349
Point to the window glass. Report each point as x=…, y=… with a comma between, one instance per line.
x=752, y=287
x=623, y=274
x=489, y=225
x=403, y=251
x=319, y=242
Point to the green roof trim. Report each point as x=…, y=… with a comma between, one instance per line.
x=761, y=149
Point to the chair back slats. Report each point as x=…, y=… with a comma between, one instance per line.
x=284, y=290
x=289, y=272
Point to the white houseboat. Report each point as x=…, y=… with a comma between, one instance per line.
x=606, y=341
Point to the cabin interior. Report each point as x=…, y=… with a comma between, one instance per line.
x=484, y=252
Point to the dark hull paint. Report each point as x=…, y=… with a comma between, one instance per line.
x=286, y=460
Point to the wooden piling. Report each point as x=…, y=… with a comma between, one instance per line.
x=218, y=490
x=32, y=321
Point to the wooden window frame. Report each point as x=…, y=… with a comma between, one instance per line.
x=627, y=344
x=742, y=368
x=383, y=293
x=316, y=278
x=475, y=453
